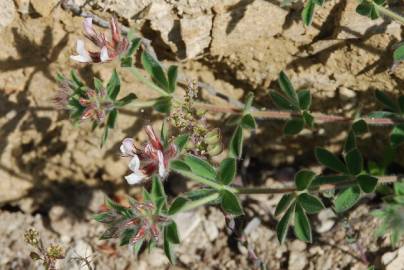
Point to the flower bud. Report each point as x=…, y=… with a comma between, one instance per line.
x=212, y=137
x=215, y=149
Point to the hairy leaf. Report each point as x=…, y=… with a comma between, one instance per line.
x=347, y=199
x=330, y=160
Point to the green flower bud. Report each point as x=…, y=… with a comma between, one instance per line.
x=212, y=137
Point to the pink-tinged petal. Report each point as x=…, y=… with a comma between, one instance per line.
x=162, y=169
x=128, y=147
x=88, y=113
x=83, y=55
x=104, y=57
x=171, y=152
x=115, y=31
x=134, y=164
x=88, y=27
x=140, y=234
x=84, y=102
x=155, y=142
x=135, y=178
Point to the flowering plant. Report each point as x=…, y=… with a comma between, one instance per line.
x=191, y=147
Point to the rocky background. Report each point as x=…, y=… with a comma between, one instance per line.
x=53, y=175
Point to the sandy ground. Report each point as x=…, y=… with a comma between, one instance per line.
x=53, y=175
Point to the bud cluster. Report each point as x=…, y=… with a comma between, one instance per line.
x=187, y=119
x=49, y=255
x=133, y=225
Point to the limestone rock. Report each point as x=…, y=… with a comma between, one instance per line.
x=7, y=13
x=44, y=7
x=195, y=33
x=243, y=24
x=128, y=8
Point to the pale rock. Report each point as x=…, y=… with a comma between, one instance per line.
x=326, y=218
x=23, y=6
x=128, y=8
x=352, y=25
x=297, y=245
x=156, y=258
x=195, y=33
x=12, y=187
x=76, y=256
x=398, y=262
x=210, y=229
x=7, y=13
x=297, y=260
x=228, y=35
x=44, y=7
x=163, y=21
x=187, y=222
x=388, y=257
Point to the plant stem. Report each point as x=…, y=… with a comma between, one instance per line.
x=388, y=13
x=323, y=187
x=286, y=115
x=200, y=202
x=201, y=180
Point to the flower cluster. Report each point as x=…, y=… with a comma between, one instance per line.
x=83, y=102
x=154, y=157
x=110, y=49
x=133, y=225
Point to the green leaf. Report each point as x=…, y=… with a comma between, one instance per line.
x=236, y=143
x=302, y=226
x=350, y=142
x=172, y=233
x=125, y=100
x=364, y=9
x=163, y=104
x=283, y=224
x=367, y=183
x=287, y=88
x=172, y=73
x=181, y=141
x=126, y=212
x=157, y=194
x=284, y=203
x=76, y=81
x=386, y=101
x=164, y=133
x=281, y=102
x=227, y=171
x=114, y=85
x=126, y=236
x=308, y=119
x=303, y=179
x=347, y=199
x=310, y=203
x=329, y=179
x=153, y=67
x=199, y=193
x=200, y=167
x=304, y=99
x=177, y=205
x=104, y=136
x=307, y=13
x=374, y=13
x=112, y=118
x=293, y=126
x=98, y=84
x=329, y=160
x=102, y=217
x=354, y=161
x=179, y=165
x=360, y=127
x=169, y=248
x=397, y=135
x=248, y=122
x=398, y=54
x=137, y=246
x=230, y=203
x=399, y=188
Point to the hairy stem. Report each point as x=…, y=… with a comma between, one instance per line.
x=200, y=202
x=388, y=13
x=323, y=187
